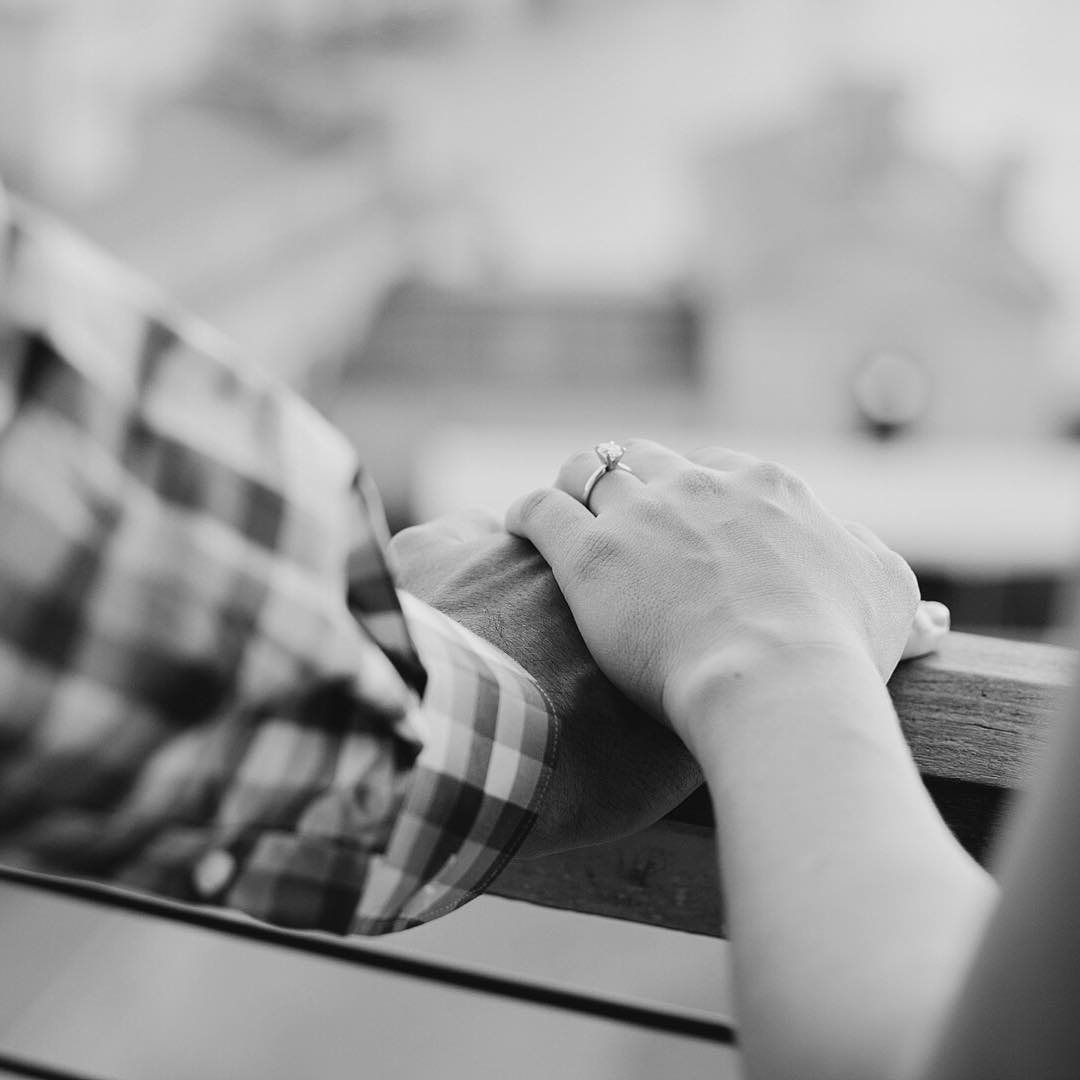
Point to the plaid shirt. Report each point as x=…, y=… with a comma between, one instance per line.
x=209, y=687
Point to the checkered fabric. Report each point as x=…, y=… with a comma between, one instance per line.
x=209, y=687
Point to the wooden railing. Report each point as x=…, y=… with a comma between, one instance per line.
x=975, y=714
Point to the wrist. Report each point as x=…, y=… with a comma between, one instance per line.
x=730, y=687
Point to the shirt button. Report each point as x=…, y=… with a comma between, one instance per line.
x=213, y=872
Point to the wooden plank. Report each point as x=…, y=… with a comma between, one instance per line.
x=666, y=875
x=980, y=708
x=976, y=714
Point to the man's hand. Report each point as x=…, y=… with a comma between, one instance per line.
x=618, y=769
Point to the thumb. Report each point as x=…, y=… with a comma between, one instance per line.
x=929, y=627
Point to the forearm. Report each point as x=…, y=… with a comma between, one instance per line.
x=855, y=941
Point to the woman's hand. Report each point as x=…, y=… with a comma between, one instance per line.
x=703, y=566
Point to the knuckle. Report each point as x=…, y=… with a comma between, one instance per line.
x=480, y=518
x=901, y=584
x=407, y=540
x=531, y=507
x=720, y=457
x=573, y=471
x=699, y=483
x=707, y=455
x=773, y=476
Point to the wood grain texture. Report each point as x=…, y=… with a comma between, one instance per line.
x=976, y=715
x=980, y=708
x=666, y=875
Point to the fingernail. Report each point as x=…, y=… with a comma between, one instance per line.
x=938, y=614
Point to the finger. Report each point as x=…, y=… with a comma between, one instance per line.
x=652, y=460
x=584, y=477
x=405, y=545
x=455, y=528
x=553, y=521
x=873, y=542
x=468, y=524
x=721, y=458
x=928, y=628
x=603, y=487
x=930, y=616
x=866, y=535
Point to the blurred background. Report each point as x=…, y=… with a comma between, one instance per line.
x=482, y=234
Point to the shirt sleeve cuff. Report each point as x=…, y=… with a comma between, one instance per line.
x=490, y=740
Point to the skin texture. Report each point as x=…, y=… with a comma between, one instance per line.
x=617, y=770
x=686, y=561
x=717, y=589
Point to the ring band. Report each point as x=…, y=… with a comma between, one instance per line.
x=595, y=477
x=610, y=455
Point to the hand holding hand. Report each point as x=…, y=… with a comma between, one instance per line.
x=618, y=770
x=687, y=563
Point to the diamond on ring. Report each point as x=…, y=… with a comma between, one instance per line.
x=610, y=453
